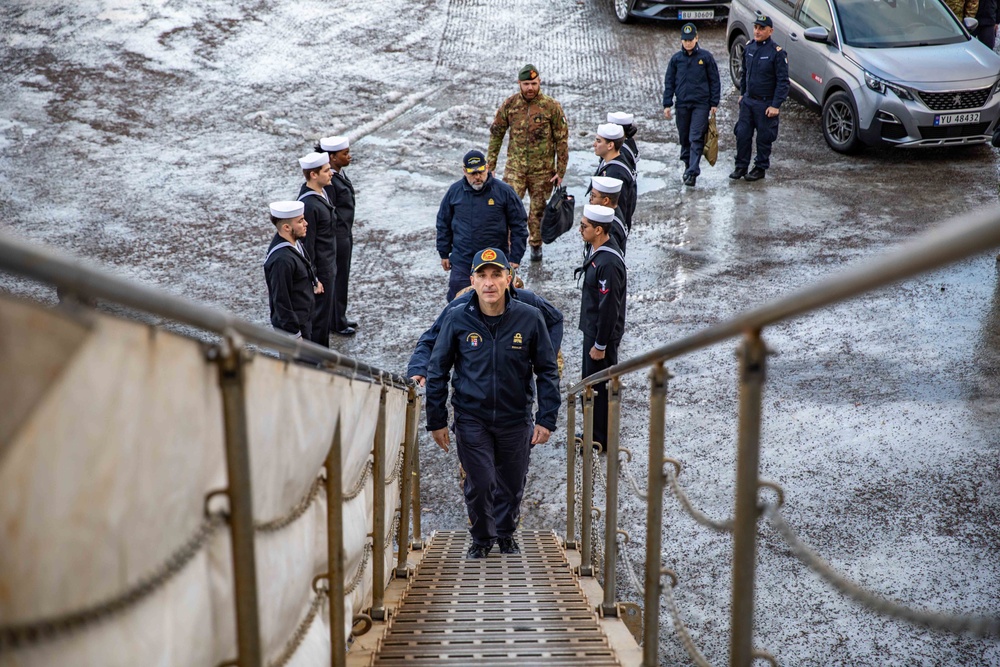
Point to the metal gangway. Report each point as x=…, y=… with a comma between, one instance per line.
x=170, y=480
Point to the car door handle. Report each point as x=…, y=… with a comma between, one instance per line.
x=793, y=37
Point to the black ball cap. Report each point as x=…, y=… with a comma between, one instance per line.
x=689, y=31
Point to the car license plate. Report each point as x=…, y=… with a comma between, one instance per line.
x=692, y=14
x=956, y=118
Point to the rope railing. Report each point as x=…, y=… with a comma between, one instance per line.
x=20, y=635
x=982, y=626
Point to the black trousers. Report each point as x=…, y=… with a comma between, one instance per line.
x=458, y=279
x=692, y=124
x=495, y=459
x=591, y=366
x=323, y=310
x=345, y=248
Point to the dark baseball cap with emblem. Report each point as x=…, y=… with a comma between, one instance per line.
x=527, y=73
x=689, y=31
x=489, y=256
x=474, y=161
x=764, y=21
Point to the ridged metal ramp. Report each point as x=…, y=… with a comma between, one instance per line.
x=524, y=610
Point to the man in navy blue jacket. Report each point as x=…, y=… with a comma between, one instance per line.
x=495, y=344
x=417, y=368
x=693, y=78
x=478, y=211
x=763, y=87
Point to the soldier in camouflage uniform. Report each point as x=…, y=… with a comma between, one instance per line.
x=963, y=8
x=538, y=149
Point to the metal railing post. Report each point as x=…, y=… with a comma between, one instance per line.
x=231, y=363
x=418, y=542
x=752, y=373
x=378, y=520
x=409, y=444
x=587, y=499
x=609, y=608
x=571, y=471
x=335, y=549
x=654, y=516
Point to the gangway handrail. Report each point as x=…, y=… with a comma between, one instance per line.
x=76, y=277
x=954, y=239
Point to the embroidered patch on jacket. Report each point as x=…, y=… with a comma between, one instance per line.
x=603, y=288
x=474, y=339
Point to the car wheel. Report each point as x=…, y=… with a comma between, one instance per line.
x=623, y=9
x=840, y=123
x=737, y=46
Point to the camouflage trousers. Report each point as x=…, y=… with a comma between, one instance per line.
x=539, y=189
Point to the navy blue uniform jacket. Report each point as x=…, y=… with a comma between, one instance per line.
x=321, y=234
x=290, y=280
x=602, y=308
x=765, y=72
x=692, y=79
x=491, y=381
x=469, y=221
x=422, y=352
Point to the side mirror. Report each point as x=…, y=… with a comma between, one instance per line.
x=970, y=24
x=817, y=34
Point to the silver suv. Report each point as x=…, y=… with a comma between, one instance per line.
x=896, y=72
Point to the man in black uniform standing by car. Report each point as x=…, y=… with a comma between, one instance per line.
x=763, y=87
x=693, y=78
x=321, y=239
x=602, y=306
x=340, y=191
x=291, y=283
x=495, y=344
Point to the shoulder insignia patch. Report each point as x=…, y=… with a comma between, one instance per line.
x=777, y=48
x=603, y=289
x=749, y=41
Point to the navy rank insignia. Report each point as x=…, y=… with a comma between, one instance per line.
x=517, y=339
x=474, y=339
x=490, y=202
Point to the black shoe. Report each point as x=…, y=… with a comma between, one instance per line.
x=353, y=325
x=477, y=551
x=508, y=545
x=738, y=173
x=536, y=253
x=756, y=174
x=689, y=180
x=348, y=331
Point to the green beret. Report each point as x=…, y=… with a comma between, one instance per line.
x=527, y=73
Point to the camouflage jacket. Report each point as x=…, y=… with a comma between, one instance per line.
x=963, y=8
x=538, y=133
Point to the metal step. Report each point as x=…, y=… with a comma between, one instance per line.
x=525, y=610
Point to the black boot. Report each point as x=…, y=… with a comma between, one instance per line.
x=536, y=253
x=755, y=174
x=738, y=173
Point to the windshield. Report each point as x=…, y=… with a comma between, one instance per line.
x=880, y=24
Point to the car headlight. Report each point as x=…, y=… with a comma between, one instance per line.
x=881, y=85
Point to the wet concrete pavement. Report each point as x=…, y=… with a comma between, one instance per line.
x=151, y=137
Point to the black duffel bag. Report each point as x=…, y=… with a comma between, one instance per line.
x=558, y=217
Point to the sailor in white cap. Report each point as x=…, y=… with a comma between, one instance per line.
x=630, y=152
x=602, y=305
x=291, y=281
x=341, y=193
x=605, y=191
x=607, y=146
x=321, y=240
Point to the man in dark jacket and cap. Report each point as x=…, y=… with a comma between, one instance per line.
x=491, y=348
x=477, y=211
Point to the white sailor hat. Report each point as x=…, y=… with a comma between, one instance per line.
x=620, y=118
x=606, y=184
x=286, y=210
x=333, y=144
x=610, y=131
x=596, y=213
x=314, y=160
